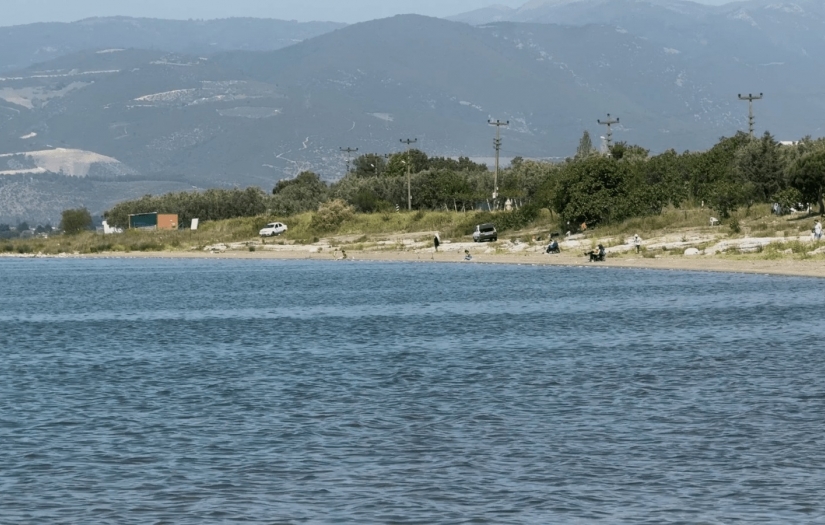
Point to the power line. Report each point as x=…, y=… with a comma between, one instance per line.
x=497, y=145
x=348, y=151
x=751, y=119
x=408, y=142
x=609, y=123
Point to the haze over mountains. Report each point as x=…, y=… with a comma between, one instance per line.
x=143, y=106
x=22, y=46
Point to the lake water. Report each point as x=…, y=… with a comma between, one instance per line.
x=191, y=391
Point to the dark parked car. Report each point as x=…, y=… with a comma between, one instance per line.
x=485, y=232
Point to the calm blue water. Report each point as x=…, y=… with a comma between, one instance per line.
x=155, y=391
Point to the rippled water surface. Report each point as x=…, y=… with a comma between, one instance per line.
x=348, y=392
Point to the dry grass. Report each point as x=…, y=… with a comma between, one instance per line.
x=456, y=226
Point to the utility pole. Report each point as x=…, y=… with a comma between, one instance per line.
x=497, y=145
x=609, y=123
x=348, y=151
x=408, y=142
x=750, y=98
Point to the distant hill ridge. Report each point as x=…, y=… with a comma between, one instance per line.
x=791, y=27
x=177, y=120
x=24, y=45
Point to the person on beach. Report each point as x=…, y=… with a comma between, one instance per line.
x=436, y=241
x=817, y=231
x=596, y=255
x=553, y=247
x=467, y=256
x=637, y=242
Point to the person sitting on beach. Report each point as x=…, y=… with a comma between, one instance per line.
x=467, y=256
x=553, y=247
x=597, y=255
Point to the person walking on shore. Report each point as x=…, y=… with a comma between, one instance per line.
x=436, y=241
x=817, y=231
x=637, y=242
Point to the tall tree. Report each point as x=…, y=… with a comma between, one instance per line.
x=625, y=151
x=585, y=148
x=807, y=175
x=369, y=165
x=75, y=221
x=303, y=193
x=417, y=159
x=758, y=164
x=713, y=173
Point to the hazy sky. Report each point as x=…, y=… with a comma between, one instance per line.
x=13, y=12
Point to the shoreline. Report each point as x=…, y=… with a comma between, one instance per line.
x=779, y=267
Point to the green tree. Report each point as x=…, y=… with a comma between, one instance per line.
x=75, y=221
x=209, y=205
x=585, y=148
x=587, y=190
x=301, y=194
x=369, y=165
x=724, y=196
x=366, y=200
x=330, y=216
x=670, y=172
x=807, y=175
x=625, y=151
x=354, y=190
x=714, y=178
x=417, y=159
x=788, y=198
x=460, y=164
x=759, y=164
x=447, y=189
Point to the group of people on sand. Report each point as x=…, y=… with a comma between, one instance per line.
x=595, y=255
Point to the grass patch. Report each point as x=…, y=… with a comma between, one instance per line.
x=455, y=226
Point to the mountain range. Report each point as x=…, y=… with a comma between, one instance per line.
x=25, y=45
x=120, y=120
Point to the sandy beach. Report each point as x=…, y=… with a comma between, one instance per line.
x=787, y=267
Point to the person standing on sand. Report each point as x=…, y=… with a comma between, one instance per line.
x=817, y=231
x=436, y=241
x=637, y=242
